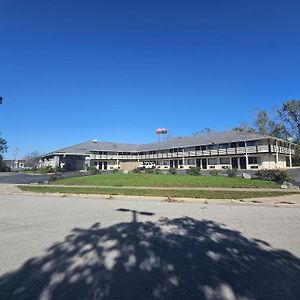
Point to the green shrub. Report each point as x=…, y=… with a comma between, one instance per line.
x=231, y=172
x=136, y=170
x=54, y=177
x=115, y=171
x=194, y=171
x=157, y=171
x=214, y=172
x=93, y=170
x=56, y=169
x=276, y=175
x=172, y=171
x=78, y=174
x=45, y=170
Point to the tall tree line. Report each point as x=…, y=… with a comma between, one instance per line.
x=285, y=124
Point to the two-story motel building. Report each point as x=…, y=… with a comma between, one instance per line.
x=224, y=150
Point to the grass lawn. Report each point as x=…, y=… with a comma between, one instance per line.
x=165, y=180
x=152, y=192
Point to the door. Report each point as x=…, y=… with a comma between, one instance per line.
x=234, y=163
x=176, y=164
x=243, y=162
x=171, y=164
x=204, y=163
x=198, y=163
x=105, y=165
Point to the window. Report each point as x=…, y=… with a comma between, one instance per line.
x=232, y=145
x=190, y=161
x=241, y=144
x=224, y=161
x=211, y=147
x=198, y=148
x=253, y=160
x=251, y=143
x=203, y=147
x=223, y=146
x=212, y=161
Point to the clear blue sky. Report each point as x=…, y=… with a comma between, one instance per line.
x=72, y=71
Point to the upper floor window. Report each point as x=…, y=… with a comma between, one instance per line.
x=223, y=146
x=251, y=143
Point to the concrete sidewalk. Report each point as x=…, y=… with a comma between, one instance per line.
x=169, y=188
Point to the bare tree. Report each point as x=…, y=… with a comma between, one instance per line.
x=204, y=131
x=244, y=127
x=32, y=159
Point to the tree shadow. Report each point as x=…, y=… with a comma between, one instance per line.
x=180, y=258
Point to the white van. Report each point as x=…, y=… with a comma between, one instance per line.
x=147, y=165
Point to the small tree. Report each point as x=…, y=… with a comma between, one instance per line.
x=3, y=149
x=32, y=159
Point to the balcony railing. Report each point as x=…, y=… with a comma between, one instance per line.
x=200, y=153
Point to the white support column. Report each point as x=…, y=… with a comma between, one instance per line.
x=277, y=153
x=246, y=155
x=117, y=160
x=183, y=157
x=290, y=155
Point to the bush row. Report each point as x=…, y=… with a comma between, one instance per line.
x=276, y=175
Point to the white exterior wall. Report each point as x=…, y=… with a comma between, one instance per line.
x=52, y=162
x=268, y=161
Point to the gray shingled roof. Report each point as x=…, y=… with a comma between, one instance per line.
x=97, y=146
x=215, y=137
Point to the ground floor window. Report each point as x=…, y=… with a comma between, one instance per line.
x=212, y=161
x=190, y=161
x=253, y=160
x=225, y=161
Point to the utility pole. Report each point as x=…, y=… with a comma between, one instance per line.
x=16, y=158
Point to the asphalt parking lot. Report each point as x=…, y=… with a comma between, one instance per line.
x=23, y=178
x=57, y=247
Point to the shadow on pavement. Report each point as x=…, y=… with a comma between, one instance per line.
x=180, y=258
